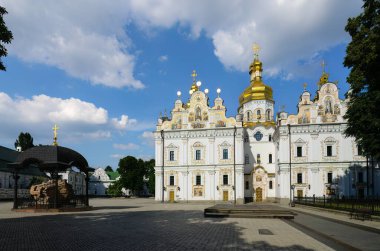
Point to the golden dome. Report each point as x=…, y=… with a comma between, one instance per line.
x=257, y=90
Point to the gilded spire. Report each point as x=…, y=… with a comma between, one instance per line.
x=325, y=76
x=55, y=129
x=194, y=86
x=256, y=49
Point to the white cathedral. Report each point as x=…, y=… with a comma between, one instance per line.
x=202, y=155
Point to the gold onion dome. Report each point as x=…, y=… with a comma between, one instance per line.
x=257, y=90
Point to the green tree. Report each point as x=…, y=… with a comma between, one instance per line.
x=363, y=59
x=115, y=189
x=5, y=37
x=25, y=141
x=149, y=173
x=108, y=169
x=132, y=173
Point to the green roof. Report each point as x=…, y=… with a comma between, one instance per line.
x=113, y=175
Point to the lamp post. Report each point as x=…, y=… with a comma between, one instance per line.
x=162, y=169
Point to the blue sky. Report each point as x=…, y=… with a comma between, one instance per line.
x=104, y=70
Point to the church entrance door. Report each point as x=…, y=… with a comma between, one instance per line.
x=299, y=193
x=259, y=194
x=171, y=196
x=225, y=195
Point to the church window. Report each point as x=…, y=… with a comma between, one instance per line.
x=258, y=113
x=299, y=151
x=270, y=137
x=249, y=115
x=225, y=153
x=258, y=135
x=268, y=115
x=329, y=177
x=247, y=185
x=329, y=151
x=198, y=180
x=171, y=180
x=171, y=155
x=270, y=158
x=258, y=158
x=299, y=178
x=360, y=150
x=225, y=179
x=270, y=184
x=197, y=154
x=246, y=159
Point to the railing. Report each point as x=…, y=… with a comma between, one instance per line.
x=75, y=202
x=344, y=204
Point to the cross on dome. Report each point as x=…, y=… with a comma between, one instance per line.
x=256, y=49
x=194, y=75
x=323, y=64
x=55, y=129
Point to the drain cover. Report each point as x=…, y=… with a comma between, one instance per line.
x=265, y=232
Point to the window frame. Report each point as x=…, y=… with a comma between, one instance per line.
x=329, y=150
x=329, y=177
x=225, y=179
x=171, y=155
x=299, y=178
x=270, y=158
x=198, y=154
x=299, y=151
x=171, y=180
x=225, y=153
x=198, y=180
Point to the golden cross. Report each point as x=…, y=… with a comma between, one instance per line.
x=323, y=64
x=55, y=128
x=304, y=86
x=194, y=75
x=256, y=49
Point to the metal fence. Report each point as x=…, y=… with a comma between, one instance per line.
x=75, y=202
x=343, y=204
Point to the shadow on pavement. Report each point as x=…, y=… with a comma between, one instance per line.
x=141, y=230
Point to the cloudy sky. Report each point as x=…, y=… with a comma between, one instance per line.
x=104, y=70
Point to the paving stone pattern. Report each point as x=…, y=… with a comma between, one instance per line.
x=142, y=224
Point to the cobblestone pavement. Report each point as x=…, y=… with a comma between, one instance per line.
x=142, y=224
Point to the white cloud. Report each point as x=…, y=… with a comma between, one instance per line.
x=147, y=138
x=288, y=31
x=129, y=146
x=88, y=39
x=117, y=156
x=163, y=58
x=123, y=123
x=85, y=39
x=77, y=119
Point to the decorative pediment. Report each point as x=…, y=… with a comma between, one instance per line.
x=226, y=144
x=198, y=144
x=330, y=140
x=300, y=142
x=171, y=146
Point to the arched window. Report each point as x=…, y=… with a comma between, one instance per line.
x=258, y=112
x=249, y=116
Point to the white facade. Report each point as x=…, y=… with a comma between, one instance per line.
x=202, y=155
x=76, y=179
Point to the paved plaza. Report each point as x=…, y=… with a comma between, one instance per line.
x=142, y=224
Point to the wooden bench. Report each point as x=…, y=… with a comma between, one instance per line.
x=361, y=213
